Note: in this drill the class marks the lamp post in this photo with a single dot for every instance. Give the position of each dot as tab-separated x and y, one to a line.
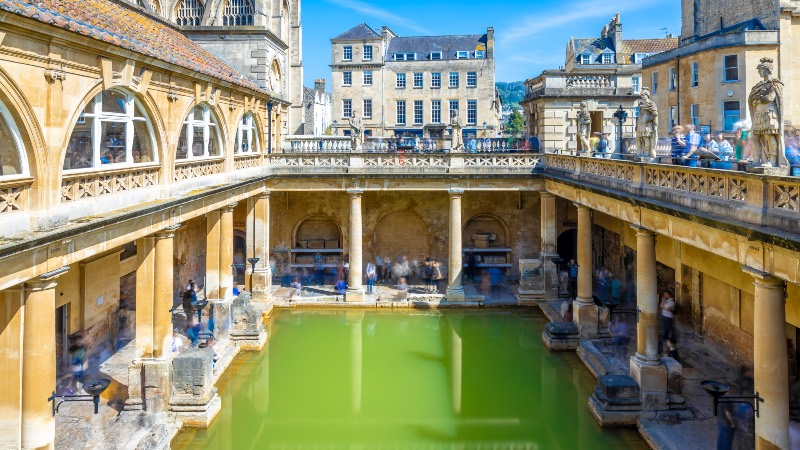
718	390
253	261
621	117
93	390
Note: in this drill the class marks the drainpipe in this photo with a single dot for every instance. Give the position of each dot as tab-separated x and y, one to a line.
269	127
678	88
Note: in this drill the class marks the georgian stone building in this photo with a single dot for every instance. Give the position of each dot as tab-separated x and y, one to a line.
318	109
603	71
707	79
413	85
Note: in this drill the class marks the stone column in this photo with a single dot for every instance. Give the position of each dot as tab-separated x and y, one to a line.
548	251
455	291
39	361
258	246
11	329
355	288
584	309
211	286
770	363
145	280
646	367
226	252
163	293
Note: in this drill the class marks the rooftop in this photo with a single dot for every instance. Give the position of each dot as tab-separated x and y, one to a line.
360	31
118	25
448	45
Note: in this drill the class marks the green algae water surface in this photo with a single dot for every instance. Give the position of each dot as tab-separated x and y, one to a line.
406	380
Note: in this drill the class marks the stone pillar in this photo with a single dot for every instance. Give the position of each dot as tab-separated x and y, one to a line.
226	252
11	329
258	246
211	286
355	288
163	293
770	363
584	309
145	280
39	361
646	368
455	291
548	250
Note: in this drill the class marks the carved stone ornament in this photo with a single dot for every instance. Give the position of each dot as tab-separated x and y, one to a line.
172	96
53	75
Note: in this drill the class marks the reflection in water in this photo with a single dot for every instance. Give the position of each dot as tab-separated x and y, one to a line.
437	378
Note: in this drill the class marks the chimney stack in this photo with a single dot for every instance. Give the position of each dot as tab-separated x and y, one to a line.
319	84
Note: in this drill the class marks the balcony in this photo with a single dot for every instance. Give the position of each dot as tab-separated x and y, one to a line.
577	84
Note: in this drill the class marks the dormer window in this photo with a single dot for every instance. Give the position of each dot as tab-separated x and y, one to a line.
436	56
479	54
411	56
462	55
585	59
608	58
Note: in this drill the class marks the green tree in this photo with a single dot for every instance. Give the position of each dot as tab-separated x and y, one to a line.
515	122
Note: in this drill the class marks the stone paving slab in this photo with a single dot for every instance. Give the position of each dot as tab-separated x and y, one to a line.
692	434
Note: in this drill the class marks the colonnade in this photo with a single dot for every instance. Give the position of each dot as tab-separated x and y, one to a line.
770	365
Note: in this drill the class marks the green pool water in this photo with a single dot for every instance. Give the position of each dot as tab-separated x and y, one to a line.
405	380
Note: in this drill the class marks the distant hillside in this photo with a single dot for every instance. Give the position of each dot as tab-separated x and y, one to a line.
511	93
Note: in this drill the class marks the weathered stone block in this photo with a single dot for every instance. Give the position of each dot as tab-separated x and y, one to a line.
247	328
221	314
585	315
619	387
674	375
192	372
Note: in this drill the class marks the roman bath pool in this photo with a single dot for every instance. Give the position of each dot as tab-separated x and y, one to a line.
412	379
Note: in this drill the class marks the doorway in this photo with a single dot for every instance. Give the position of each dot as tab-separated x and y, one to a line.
62	340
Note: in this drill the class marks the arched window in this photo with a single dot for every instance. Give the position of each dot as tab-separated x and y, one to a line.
12	151
285	21
199	134
246	136
111	130
275	78
237	12
189	13
151	5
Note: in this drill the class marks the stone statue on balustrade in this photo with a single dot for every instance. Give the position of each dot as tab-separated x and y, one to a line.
456	136
647	125
584	128
766	111
356	132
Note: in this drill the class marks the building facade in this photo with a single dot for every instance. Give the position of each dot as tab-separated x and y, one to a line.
318	109
413	85
604	72
707	79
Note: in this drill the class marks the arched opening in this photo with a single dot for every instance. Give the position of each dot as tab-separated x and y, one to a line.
275	77
189	13
567	245
152	6
316	236
402	233
485	239
199	135
237	12
239	256
12	150
112	130
285	21
246	136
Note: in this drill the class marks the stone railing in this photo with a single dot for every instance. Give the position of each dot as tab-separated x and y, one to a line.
185	170
752	198
418	163
14	195
78	186
246	161
315	144
589	81
575	84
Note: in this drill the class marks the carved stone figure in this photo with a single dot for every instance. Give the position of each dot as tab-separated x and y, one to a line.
766	111
647	125
356	132
456	137
584	127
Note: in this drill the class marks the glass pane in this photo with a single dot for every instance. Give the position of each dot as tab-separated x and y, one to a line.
182	145
113	102
197	141
245	141
9	153
142	144
196	114
80	148
213	142
112	142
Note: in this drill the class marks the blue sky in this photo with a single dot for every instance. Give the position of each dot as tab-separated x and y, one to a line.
530	35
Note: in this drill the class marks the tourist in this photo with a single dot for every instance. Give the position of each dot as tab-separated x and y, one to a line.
193	330
620	336
105	157
177	342
572	268
741	151
726	426
319	269
370	275
668	321
379	267
436	275
77	361
566	311
296	284
340	287
346	268
387	263
189	299
471	265
616	290
593	140
495	279
603	148
427	274
678	142
692	143
721	147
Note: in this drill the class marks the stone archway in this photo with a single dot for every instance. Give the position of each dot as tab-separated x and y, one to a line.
485	224
401	233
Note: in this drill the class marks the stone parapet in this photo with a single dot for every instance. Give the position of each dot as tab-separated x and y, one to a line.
561	336
194	397
247	326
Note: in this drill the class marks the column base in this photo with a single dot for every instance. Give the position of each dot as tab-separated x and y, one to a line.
355	295
455	294
194	400
651	377
615	401
222	316
262	285
149	386
561	336
585	314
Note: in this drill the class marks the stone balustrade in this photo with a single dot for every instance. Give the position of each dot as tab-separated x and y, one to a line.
14	195
314	144
554	83
186	170
247	161
83	185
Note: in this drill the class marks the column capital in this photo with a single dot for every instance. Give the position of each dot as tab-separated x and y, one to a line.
545	194
229	208
166	233
264	194
45	281
642	231
455	192
581	206
355	191
764	279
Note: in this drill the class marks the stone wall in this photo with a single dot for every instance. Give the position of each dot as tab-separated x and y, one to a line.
706	16
190	254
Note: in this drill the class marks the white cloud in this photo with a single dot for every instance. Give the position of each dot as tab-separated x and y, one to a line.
378	13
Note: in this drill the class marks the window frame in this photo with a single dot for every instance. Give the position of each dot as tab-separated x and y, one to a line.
450	110
366	110
347	78
419	112
695	68
671	78
725	69
345	103
474	76
453	76
251	129
400	81
584	59
637	84
461	54
472	112
694	114
480	54
654	82
725	115
364	80
436	80
610	57
206	122
400	112
345	50
419	76
364	50
436	56
436	111
19	145
673	117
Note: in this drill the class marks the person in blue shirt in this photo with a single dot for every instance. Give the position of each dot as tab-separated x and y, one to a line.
678	142
692	142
